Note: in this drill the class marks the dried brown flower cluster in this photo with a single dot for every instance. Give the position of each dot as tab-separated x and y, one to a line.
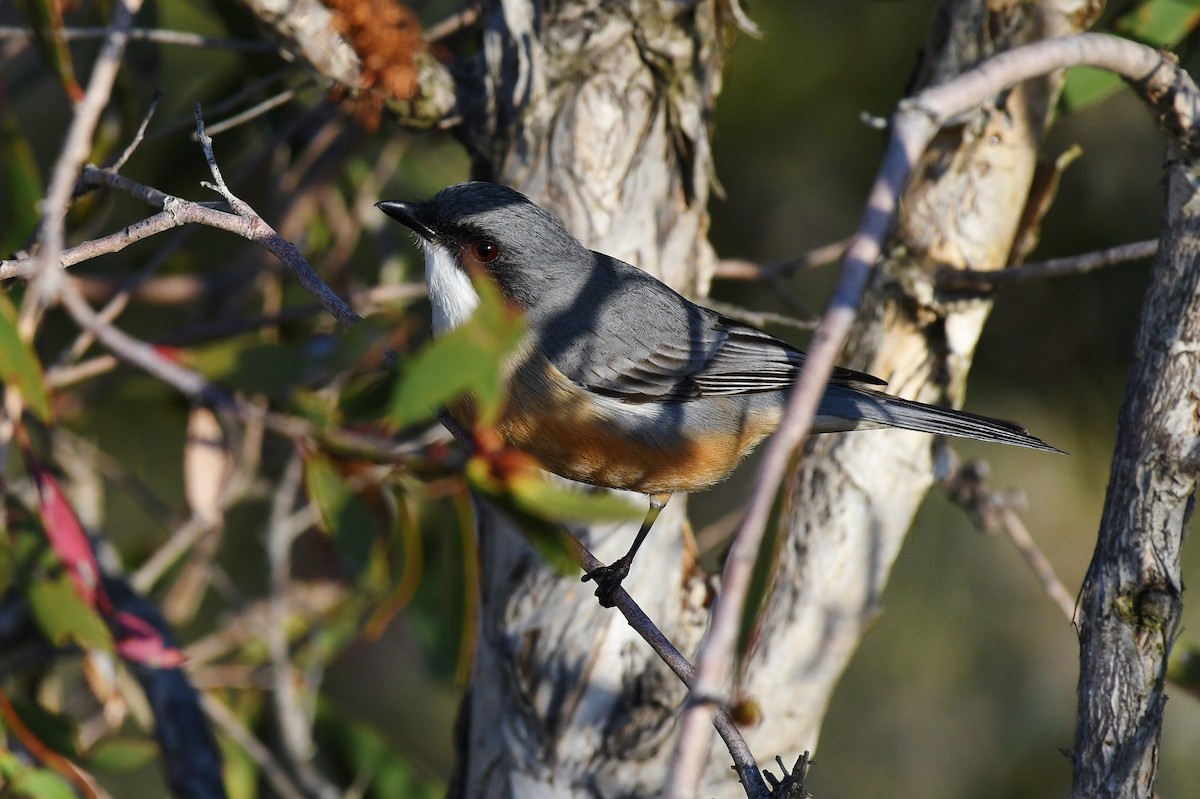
386	35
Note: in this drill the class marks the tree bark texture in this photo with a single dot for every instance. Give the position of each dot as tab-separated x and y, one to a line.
1131	605
600	111
853	497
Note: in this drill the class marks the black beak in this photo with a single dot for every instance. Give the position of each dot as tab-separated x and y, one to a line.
408	214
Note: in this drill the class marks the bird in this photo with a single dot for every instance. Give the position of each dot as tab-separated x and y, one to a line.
621	381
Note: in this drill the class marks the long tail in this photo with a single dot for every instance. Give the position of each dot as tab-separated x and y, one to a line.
875	408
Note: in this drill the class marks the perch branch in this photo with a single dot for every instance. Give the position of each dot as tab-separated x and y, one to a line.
982	279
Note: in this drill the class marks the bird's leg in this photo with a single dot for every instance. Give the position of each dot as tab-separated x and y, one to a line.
608	578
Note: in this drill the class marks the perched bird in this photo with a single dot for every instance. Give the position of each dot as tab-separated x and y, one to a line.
622	382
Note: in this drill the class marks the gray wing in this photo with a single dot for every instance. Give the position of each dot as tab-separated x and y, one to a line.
644	342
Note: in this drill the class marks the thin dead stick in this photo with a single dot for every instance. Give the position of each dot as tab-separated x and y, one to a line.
1018	533
142	355
177	212
117	304
993	511
455	23
177	38
75	149
127	153
229	103
741	269
759	318
294	724
255	111
913	127
179	542
979	280
281	247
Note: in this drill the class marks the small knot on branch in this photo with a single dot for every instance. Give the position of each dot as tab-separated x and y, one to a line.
791	784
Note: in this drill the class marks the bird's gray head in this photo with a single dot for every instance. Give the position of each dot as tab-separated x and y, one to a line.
484	226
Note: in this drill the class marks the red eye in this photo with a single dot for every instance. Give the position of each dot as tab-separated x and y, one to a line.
485	251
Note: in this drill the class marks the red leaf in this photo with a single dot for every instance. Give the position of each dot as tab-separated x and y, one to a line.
66	535
139	641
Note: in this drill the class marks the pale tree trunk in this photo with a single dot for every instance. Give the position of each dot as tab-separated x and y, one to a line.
853	497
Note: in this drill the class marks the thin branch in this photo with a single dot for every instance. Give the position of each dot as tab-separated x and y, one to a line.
278	245
294	724
139	135
741	269
995	511
178	543
177	212
983	280
253	112
232	101
760	318
915	123
177	38
455	23
76	146
142	355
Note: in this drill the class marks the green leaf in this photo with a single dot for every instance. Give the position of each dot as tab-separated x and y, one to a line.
44	18
537	505
239	770
1086	86
20	182
1160	23
19	366
42	784
121	755
57	608
63	617
341	513
535	494
470	359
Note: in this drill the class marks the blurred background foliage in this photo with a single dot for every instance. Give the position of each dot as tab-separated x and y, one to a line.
966	685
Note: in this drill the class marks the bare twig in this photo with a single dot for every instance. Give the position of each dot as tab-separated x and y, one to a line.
126	347
76	146
760	318
255	111
743	759
993	511
283	248
127	153
455	23
179	542
295	725
913	127
741	269
981	280
177	212
177	38
229	103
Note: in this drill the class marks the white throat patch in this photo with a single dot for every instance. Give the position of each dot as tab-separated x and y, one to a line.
450	290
